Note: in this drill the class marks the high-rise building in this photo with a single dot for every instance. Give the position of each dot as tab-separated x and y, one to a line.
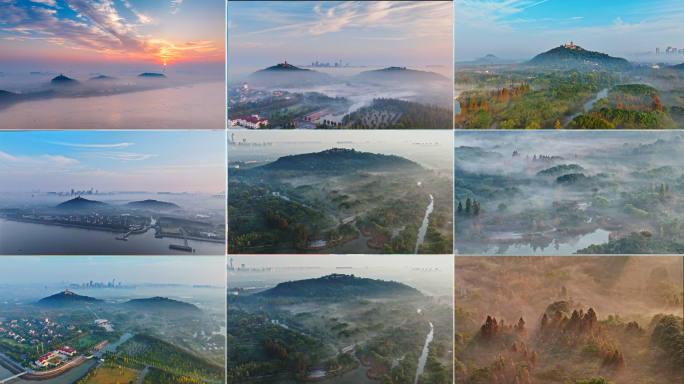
72	191
657	51
340	62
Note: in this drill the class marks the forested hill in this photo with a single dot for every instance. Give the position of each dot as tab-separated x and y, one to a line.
568	57
679	66
474	153
289	73
341	160
341	286
399	74
153	205
66	298
162	303
81	203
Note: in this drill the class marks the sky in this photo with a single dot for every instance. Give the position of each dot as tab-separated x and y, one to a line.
153	161
103	35
521	29
382	33
127	270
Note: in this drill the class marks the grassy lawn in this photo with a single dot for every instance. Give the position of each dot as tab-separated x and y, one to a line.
107	375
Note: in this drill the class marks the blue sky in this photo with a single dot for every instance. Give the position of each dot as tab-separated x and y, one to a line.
173	161
127	270
99	35
360	33
519	29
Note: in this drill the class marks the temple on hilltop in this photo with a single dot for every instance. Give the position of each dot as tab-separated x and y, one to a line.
286	65
572	46
67	292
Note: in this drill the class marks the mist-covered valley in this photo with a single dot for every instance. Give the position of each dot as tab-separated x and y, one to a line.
390	316
569	192
351	194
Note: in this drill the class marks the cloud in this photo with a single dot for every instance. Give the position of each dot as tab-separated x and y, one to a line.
123	156
403	19
175	6
97	27
230	24
49	3
11	161
618	21
118	145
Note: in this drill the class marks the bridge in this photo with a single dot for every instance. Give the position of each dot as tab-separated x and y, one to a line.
10	379
185	247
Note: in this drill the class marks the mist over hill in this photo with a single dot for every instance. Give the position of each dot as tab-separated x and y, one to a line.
151	204
162	303
569	57
81	203
66	298
398	74
286	73
341	286
337	159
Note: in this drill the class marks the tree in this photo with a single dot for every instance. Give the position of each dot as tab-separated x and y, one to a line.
656	103
502	208
558	124
460	208
468	207
483	104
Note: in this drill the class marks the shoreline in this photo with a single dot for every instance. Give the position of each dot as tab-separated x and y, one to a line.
104	229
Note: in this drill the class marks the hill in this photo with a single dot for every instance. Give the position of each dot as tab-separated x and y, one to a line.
399	74
287	73
153	205
81	203
635	89
340	160
341	286
560	170
147	74
491	59
8	96
678	66
572	57
66	298
162	303
102	78
63	80
474	153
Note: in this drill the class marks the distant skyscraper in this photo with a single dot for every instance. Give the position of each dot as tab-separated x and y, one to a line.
657	50
72	191
340	62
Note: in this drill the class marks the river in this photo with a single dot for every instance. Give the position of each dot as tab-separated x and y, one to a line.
4	373
111	347
599	236
588	105
19	238
67	378
423	228
423	357
200	106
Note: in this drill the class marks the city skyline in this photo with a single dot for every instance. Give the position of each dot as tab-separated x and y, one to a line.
108	35
521	29
113	161
359	33
132	270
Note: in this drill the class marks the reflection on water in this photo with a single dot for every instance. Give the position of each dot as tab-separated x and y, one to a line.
358	246
588	105
18	238
423	356
199	107
423	228
599	236
111	347
4	373
67	378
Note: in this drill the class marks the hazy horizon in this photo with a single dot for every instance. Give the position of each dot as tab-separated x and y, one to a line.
127	270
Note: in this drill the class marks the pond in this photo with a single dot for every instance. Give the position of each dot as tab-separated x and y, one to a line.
111	347
555	247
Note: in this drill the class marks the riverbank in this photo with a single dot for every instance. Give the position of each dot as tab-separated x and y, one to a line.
377	239
338	242
336	373
377	370
73	225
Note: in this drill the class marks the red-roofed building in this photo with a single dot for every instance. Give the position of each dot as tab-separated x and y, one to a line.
252	121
